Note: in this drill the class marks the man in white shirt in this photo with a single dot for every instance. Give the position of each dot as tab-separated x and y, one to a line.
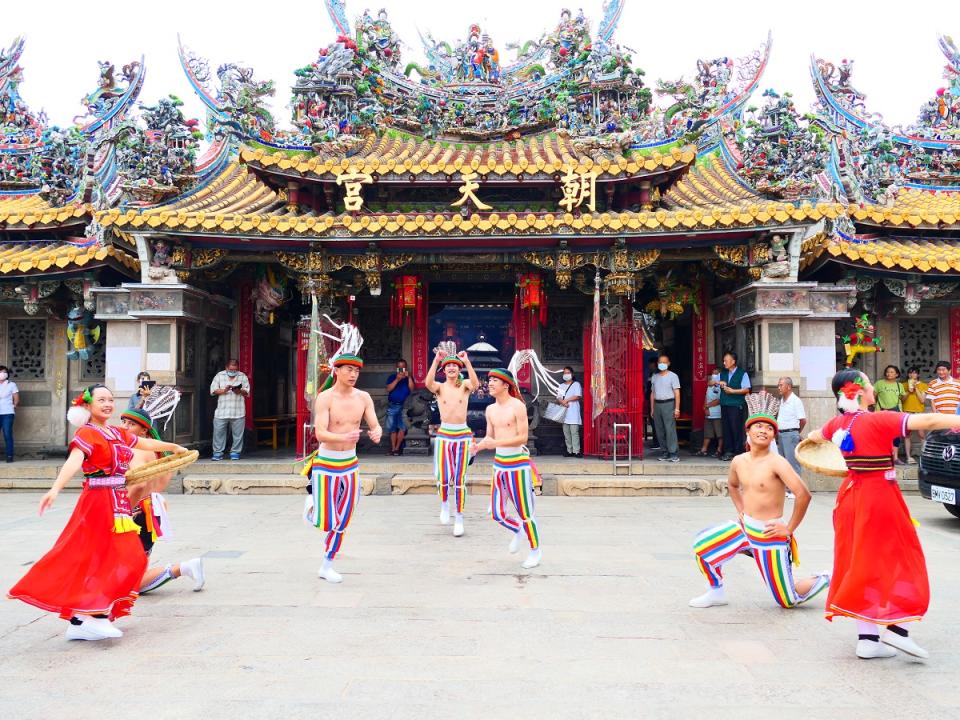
231	387
791	419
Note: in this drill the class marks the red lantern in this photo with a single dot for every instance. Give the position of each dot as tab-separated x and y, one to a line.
406	299
531	296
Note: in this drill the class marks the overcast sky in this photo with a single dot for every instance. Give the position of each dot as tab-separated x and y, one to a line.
897	61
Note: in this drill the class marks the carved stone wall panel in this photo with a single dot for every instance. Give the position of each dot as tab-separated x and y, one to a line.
919	345
562	337
381	343
94	368
27	353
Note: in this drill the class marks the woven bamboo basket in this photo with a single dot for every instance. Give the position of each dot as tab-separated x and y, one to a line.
824	458
161	466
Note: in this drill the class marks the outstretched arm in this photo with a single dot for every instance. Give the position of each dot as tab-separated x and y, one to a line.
373	423
159	445
933	421
430	381
473	382
70	468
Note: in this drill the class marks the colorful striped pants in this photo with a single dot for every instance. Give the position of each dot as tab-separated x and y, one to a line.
716	546
451	456
513	476
335	491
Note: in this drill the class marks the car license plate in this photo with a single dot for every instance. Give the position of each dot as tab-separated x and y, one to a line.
942	494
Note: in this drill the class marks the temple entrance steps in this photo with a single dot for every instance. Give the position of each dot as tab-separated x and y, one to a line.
385	475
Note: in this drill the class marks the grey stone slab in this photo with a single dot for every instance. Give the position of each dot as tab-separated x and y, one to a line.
426	624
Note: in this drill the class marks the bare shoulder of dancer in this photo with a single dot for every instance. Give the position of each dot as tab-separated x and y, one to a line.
340	413
762	484
509	421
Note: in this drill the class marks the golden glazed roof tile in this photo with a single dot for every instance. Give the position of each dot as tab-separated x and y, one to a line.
710	183
406	155
897	254
28	258
273	224
913	208
27	211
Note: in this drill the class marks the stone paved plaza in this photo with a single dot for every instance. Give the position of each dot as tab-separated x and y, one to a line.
426	625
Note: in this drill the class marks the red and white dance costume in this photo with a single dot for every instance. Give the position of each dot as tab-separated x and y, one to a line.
334	493
879	572
97	563
451	456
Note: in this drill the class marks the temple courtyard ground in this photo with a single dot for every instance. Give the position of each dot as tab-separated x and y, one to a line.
427	625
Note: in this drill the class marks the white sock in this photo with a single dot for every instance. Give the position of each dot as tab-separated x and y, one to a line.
515	543
867	628
444	513
533	559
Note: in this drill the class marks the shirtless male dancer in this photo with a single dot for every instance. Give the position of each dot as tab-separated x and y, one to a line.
335	471
513	473
143	498
451	451
758	483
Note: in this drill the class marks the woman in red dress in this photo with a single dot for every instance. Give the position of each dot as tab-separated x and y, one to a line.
91	575
879	572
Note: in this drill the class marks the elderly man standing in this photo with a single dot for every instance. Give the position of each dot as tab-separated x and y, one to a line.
232	388
791	419
665	408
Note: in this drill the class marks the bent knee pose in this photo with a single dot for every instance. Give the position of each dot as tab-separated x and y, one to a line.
758	483
451	451
334	471
149	510
513	472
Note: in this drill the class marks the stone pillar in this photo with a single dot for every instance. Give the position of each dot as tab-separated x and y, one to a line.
795	330
158	328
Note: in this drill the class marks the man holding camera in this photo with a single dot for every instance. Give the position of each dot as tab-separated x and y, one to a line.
399	387
232	388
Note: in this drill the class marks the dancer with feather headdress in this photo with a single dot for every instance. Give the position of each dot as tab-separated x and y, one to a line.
334	469
451	450
758	482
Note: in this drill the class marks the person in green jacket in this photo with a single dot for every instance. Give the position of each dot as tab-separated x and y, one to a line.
889	393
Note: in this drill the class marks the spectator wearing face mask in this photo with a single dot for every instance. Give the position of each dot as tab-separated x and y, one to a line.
712	422
9	399
232	388
665	408
569	395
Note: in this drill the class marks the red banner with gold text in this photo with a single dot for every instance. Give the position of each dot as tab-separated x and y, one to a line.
245	344
955	340
699	384
421	336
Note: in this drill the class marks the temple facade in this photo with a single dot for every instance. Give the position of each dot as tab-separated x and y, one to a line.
502	205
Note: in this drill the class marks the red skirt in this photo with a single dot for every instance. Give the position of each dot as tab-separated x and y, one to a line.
92	569
879	573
